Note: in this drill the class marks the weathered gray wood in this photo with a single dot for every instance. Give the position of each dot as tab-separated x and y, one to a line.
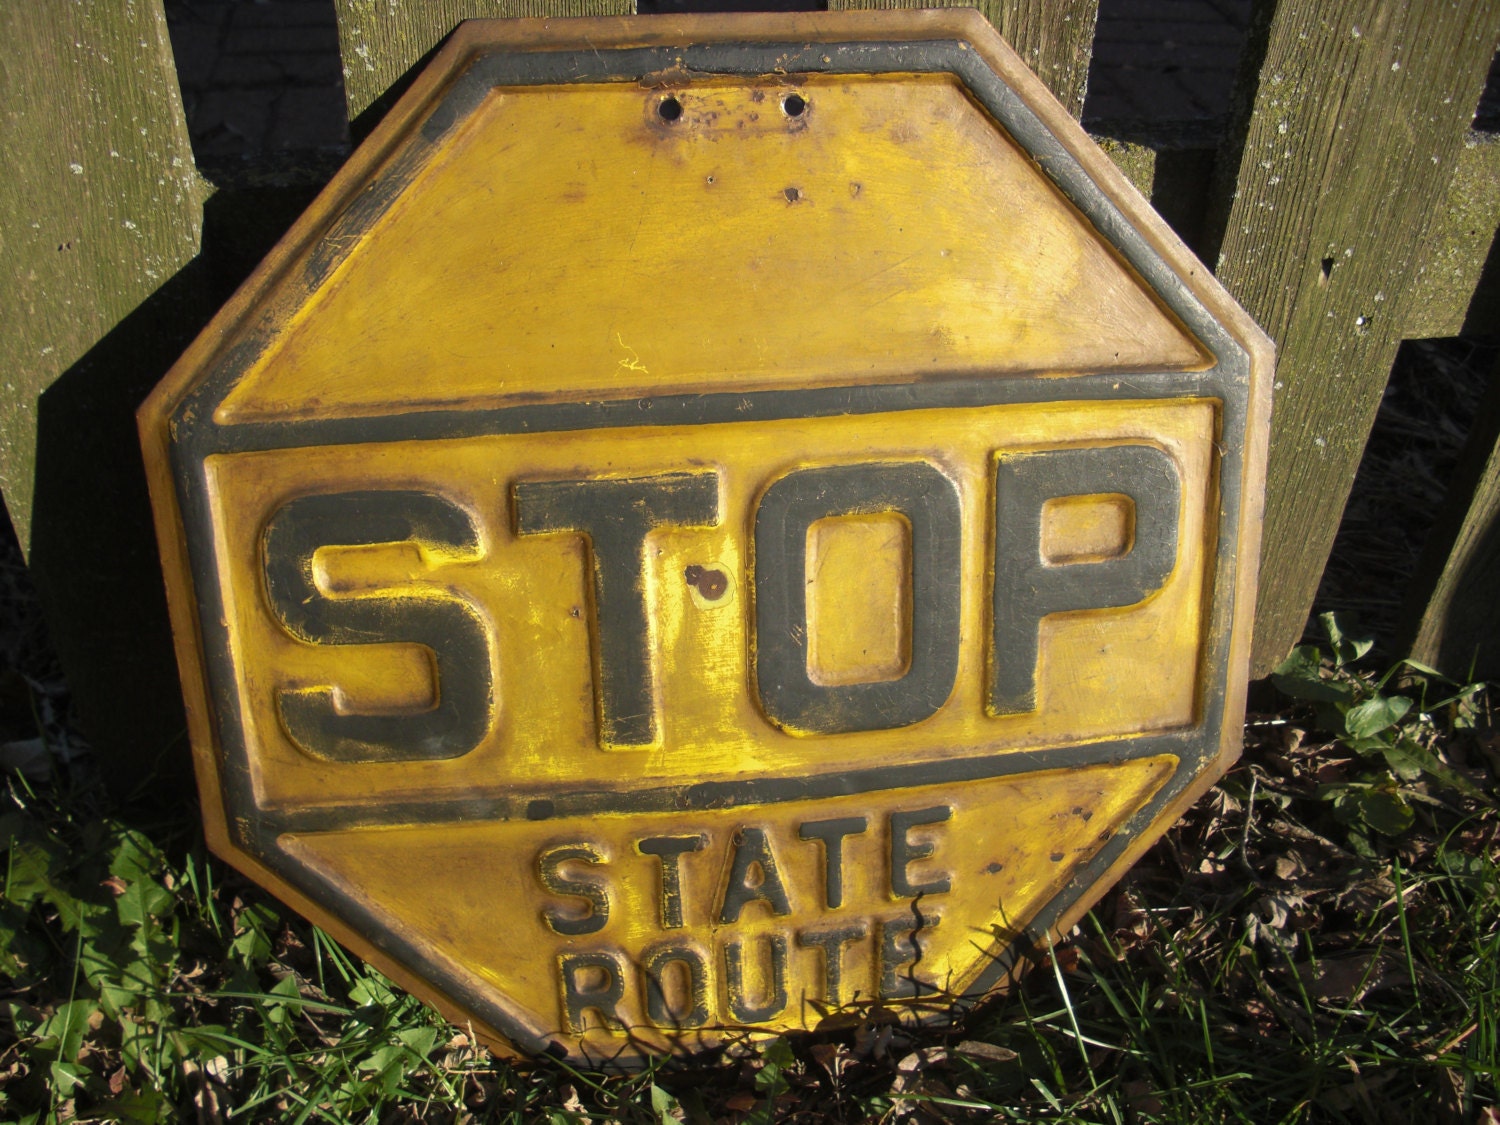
380	40
1359	114
1055	37
99	203
1459	242
100	224
1452	615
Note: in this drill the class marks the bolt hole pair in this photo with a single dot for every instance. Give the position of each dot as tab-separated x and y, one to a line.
669	109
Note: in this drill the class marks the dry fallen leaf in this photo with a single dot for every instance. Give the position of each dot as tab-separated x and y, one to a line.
568	1098
830	1056
990	1052
1141	1098
1343	980
207	1085
920	1060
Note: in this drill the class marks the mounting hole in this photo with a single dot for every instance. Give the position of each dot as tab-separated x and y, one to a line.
669	109
793	105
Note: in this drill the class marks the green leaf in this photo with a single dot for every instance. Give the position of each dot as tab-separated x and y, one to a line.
155	1009
115	999
133	856
1360	845
1404	764
419	1039
206	1040
1300	677
134	1040
1367	719
252	943
1344	800
67	1077
1424	669
372	992
62	1032
131	1108
774	1060
1386	811
1346	649
1462	865
23	949
282	1002
665	1107
1413	756
23	1019
28	880
388	1066
105	954
143	899
1302	661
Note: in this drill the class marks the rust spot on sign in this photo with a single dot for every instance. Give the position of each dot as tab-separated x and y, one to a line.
708	582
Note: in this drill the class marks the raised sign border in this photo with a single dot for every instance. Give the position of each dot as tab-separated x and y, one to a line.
485	54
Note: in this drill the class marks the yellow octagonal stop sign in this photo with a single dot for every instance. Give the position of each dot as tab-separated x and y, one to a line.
711	525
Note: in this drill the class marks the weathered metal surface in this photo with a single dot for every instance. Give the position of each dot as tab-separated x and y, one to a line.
710	523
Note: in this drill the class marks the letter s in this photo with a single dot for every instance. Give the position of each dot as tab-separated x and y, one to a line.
450	628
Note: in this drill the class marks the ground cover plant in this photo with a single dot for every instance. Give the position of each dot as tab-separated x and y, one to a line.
1318	940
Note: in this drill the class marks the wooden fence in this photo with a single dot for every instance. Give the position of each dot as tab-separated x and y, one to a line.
1348	207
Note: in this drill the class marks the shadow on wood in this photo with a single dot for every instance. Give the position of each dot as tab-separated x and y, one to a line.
1452	619
93	548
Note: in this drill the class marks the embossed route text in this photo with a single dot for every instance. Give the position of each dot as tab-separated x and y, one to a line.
707	959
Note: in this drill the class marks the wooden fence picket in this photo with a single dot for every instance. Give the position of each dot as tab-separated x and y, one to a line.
1452	615
99	205
1459	247
382	40
100	227
1359	115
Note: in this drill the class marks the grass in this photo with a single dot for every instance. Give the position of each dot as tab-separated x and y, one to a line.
1277	957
